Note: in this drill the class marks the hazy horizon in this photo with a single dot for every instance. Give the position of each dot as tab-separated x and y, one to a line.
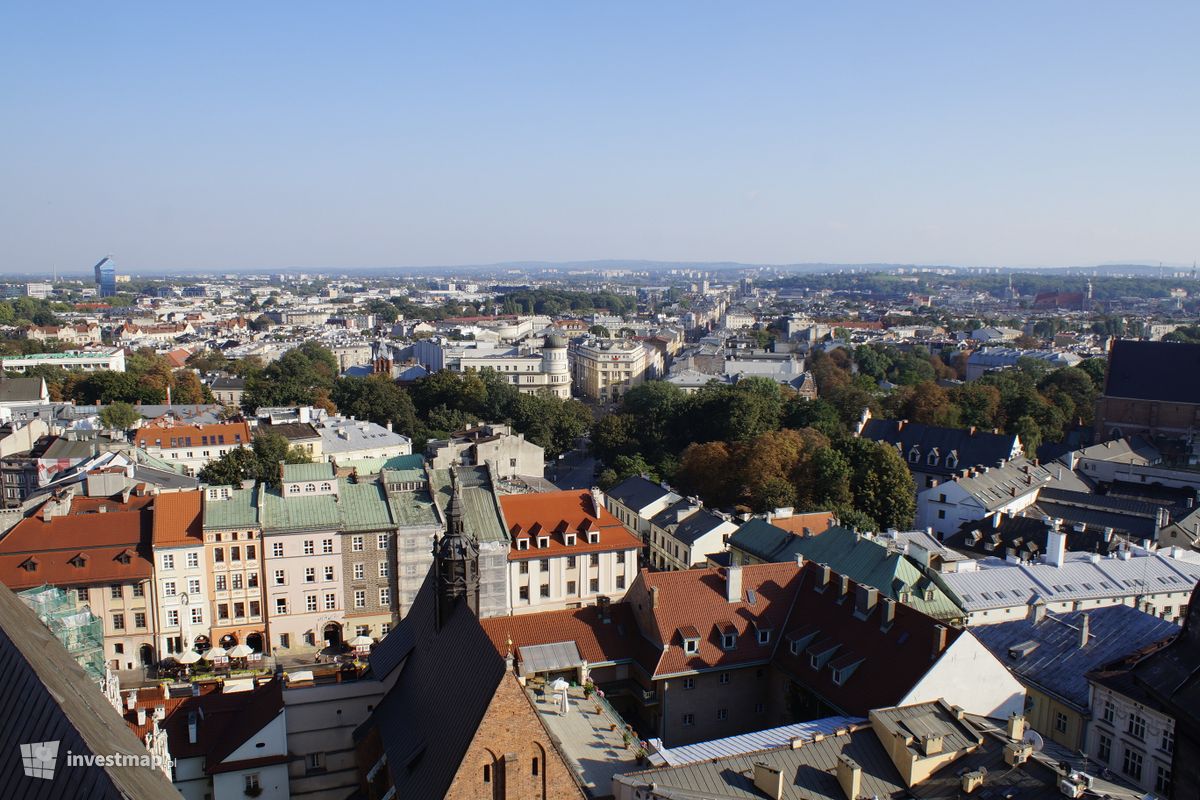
300	136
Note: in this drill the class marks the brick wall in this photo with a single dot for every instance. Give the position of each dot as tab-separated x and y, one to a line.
507	742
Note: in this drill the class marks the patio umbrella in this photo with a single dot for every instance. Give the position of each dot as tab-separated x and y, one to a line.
216	652
190	657
559	685
361	641
240	651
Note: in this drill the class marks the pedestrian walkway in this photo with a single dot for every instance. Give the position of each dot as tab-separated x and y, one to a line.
592	742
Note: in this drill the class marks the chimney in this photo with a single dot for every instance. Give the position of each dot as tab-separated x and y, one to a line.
141	717
733	584
1084	630
1016	727
823	578
191	727
1056	546
800	560
653	597
932	744
160	713
1038	612
843	586
131	700
849	776
769	781
865	598
597	501
888	615
939	640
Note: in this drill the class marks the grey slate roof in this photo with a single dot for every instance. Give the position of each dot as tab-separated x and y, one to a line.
971	449
20	390
1140	370
636	492
762	540
1058	664
46	696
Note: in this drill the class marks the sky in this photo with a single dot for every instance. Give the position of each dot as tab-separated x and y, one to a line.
308	135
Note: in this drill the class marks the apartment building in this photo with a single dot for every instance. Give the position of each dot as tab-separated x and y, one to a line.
684	534
99	549
235	553
417	523
102	358
531	372
302	536
604	369
84	333
369	562
191	446
182	574
567	550
508	454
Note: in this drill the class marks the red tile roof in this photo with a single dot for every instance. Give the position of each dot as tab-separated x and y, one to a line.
177	519
598	642
555	514
697	598
115	545
812	522
156	436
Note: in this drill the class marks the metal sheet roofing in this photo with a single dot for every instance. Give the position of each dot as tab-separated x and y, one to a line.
549	657
750	742
482	511
240	510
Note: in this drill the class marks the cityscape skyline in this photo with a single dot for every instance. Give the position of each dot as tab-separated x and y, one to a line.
677	133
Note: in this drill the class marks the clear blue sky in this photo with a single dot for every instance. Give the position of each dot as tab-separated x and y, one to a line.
354	134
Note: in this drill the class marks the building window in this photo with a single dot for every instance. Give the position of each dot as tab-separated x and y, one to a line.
279	577
594	559
1137	727
534	766
139	619
168	561
310	602
689	720
724	679
1060	722
385	628
219	554
571	585
327	546
251	783
523	593
138	590
315	761
310	574
235	553
360	598
172	617
254	608
277	549
115	591
759	708
197	616
219	582
281	606
359	572
169	588
1162	781
523	568
570	561
118	622
329	573
620	581
194	585
1110	711
239	610
381	541
689	683
487	773
722	714
545	590
193	560
356	544
594	585
764	637
222	611
383	569
728	640
285	640
309	549
330	601
544	565
1168	741
385	596
1104	749
1131	765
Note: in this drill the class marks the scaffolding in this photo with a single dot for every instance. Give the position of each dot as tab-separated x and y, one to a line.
79	630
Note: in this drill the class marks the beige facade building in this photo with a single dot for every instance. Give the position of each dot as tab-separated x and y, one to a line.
604	369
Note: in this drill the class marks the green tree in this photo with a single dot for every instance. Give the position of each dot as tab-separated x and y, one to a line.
119	416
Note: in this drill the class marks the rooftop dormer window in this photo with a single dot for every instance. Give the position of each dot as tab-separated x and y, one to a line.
914	455
691	639
543	541
522	544
764	636
79	560
691	645
30	564
728	640
952	460
593	537
569	539
932	458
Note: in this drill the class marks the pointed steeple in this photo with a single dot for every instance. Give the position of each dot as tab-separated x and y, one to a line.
456	559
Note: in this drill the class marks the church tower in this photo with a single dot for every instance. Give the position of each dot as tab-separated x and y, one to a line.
456	560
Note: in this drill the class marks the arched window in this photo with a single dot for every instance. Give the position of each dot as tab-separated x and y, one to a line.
487	773
311	487
294	489
535	766
325	487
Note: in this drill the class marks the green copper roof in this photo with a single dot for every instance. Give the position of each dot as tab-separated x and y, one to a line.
239	511
413	510
300	513
482	512
320	471
364	506
865	560
374	466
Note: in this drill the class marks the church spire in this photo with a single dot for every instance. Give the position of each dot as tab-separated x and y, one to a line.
456	559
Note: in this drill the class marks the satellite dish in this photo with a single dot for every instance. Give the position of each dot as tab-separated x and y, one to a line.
1034	739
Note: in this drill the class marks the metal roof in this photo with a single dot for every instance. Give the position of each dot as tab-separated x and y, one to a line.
549	657
240	510
749	742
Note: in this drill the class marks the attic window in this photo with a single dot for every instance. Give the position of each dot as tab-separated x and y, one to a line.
569	539
30	564
325	487
952	460
691	645
593	537
123	557
914	455
729	640
79	560
522	544
764	636
543	541
932	458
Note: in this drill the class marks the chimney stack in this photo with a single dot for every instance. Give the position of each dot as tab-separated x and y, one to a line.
131	700
1084	630
653	597
769	781
141	717
888	615
865	598
849	776
939	640
1056	546
843	586
191	719
1016	727
733	584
